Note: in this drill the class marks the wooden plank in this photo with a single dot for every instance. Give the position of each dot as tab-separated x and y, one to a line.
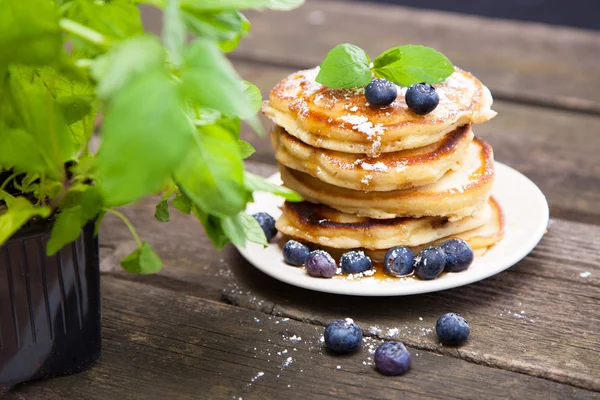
526	61
555	338
557	149
158	344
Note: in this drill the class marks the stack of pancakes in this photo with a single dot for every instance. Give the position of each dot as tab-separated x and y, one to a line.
378	177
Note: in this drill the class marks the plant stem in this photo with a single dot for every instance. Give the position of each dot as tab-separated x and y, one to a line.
85	33
10	178
128	223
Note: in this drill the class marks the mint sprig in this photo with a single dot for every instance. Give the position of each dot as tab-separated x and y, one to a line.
347	66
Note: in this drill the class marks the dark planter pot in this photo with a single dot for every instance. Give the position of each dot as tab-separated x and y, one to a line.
49	307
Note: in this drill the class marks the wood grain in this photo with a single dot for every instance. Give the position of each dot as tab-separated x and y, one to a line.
557	149
519	61
159	344
555	337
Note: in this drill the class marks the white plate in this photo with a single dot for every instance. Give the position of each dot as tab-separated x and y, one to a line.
525	209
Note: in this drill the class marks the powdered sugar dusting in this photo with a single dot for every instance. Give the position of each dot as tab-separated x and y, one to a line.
378	166
585	275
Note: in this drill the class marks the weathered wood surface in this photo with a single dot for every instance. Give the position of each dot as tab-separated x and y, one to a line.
559	150
159	344
517	60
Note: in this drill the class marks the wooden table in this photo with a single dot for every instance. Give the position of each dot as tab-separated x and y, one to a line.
210	326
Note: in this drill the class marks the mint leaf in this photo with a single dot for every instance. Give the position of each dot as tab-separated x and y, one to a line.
162	211
410	64
19	149
174	34
145	132
242	4
226	27
65	229
142	261
129	59
257	183
212	173
208	72
91	203
183	203
212	228
254	97
75	108
29	32
346	66
246	149
19	212
243	227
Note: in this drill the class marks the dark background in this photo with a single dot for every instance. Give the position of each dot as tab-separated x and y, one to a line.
575	13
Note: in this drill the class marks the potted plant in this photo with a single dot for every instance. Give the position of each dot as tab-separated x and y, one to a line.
172	110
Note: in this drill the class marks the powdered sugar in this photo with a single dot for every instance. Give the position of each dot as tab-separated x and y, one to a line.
378	166
585	275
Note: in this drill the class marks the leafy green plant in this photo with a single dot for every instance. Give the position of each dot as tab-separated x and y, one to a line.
172	111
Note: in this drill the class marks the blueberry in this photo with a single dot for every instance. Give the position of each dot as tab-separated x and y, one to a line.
295	253
381	92
430	263
422	98
267	223
452	329
343	336
354	262
392	358
399	261
320	263
459	255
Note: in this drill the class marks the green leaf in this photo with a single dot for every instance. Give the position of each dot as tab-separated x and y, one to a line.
19	212
410	64
174	32
207	72
183	203
212	227
98	222
145	135
91	203
19	149
243	227
212	174
242	4
254	97
346	66
142	261
29	32
162	211
130	59
257	183
226	27
65	229
75	108
246	149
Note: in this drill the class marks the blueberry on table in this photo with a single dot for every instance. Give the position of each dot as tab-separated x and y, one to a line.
343	336
392	358
267	223
354	262
459	255
319	263
430	263
295	253
422	98
381	92
399	261
452	329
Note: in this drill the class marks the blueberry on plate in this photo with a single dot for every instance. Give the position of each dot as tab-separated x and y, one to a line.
422	98
295	253
381	92
399	261
452	329
392	358
320	263
343	336
354	262
459	255
430	263
267	223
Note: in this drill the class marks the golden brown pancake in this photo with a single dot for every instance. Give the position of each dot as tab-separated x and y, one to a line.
342	119
390	171
459	193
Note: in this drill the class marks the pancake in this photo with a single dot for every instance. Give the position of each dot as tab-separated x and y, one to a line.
459	193
342	119
390	171
323	227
